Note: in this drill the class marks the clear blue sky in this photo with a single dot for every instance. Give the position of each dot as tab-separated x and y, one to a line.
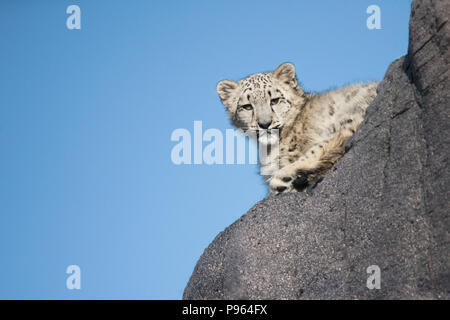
86	116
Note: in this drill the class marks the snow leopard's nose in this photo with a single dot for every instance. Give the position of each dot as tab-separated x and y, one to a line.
265	124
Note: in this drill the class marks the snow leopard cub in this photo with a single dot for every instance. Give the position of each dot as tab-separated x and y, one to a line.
313	128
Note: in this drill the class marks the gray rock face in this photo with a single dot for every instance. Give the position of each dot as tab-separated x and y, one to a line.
385	203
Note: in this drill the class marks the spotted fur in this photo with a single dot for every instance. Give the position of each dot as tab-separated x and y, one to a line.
313	127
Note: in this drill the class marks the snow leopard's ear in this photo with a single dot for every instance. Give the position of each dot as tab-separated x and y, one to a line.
286	74
225	89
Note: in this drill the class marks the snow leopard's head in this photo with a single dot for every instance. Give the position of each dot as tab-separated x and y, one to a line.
261	101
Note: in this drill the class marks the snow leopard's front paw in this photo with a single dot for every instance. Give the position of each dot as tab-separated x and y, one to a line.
288	180
281	181
278	184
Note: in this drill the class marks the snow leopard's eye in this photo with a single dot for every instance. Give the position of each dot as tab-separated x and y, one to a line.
247	107
274	101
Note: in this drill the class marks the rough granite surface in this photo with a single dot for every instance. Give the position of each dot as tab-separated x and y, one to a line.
385	203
